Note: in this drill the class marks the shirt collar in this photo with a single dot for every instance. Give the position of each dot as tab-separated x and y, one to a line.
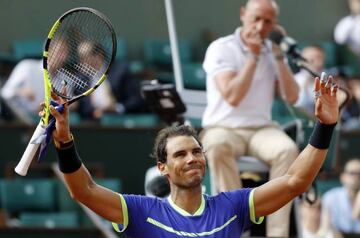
199	211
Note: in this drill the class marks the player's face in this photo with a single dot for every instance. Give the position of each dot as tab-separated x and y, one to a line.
259	16
185	164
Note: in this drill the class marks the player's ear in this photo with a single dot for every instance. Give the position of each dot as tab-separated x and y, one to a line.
162	168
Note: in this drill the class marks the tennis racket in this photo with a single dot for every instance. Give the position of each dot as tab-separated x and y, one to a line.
78	54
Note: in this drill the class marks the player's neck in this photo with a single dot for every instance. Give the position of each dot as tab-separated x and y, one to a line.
187	199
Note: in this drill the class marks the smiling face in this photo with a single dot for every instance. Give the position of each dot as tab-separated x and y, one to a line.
185	164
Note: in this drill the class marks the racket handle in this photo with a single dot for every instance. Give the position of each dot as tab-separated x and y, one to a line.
30	152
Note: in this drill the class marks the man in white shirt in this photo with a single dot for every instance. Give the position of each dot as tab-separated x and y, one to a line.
243	70
347	30
24	90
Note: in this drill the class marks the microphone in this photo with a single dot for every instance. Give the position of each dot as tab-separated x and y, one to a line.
287	45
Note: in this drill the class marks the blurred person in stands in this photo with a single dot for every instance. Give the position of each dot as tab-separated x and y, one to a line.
243	72
91	58
23	91
315	57
313	225
126	90
118	94
347	30
350	116
342	204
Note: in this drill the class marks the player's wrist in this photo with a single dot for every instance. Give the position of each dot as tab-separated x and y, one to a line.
321	135
68	158
65	142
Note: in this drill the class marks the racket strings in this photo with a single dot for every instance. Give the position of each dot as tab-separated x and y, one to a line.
80	53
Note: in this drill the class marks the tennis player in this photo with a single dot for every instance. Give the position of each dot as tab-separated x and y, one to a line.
180	157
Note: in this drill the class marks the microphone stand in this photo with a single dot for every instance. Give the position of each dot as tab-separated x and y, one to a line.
301	64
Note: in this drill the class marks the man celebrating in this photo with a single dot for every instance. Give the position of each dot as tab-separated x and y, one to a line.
180	157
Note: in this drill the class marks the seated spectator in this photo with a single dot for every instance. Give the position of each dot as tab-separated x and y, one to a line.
351	114
316	60
347	30
119	94
24	90
313	225
126	90
315	57
341	204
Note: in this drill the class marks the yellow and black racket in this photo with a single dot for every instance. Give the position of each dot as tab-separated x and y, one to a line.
78	54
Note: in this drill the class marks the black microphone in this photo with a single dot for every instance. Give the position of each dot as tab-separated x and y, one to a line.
287	45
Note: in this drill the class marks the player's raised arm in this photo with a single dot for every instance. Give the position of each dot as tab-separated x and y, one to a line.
271	196
80	184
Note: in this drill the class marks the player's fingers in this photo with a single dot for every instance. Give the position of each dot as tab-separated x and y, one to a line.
323	80
54	96
317	87
54	112
334	88
328	84
66	109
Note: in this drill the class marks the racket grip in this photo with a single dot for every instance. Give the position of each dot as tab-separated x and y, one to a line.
30	152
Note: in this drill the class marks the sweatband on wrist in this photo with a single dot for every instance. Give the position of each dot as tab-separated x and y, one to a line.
321	135
69	160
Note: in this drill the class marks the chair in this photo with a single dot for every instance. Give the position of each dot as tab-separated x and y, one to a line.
121	51
129	120
349	60
323	186
28	48
49	220
28	195
157	53
113	184
194	76
331	52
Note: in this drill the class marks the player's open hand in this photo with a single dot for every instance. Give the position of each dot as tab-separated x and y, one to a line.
326	104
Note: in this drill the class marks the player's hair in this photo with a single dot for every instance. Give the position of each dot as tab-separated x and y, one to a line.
159	151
